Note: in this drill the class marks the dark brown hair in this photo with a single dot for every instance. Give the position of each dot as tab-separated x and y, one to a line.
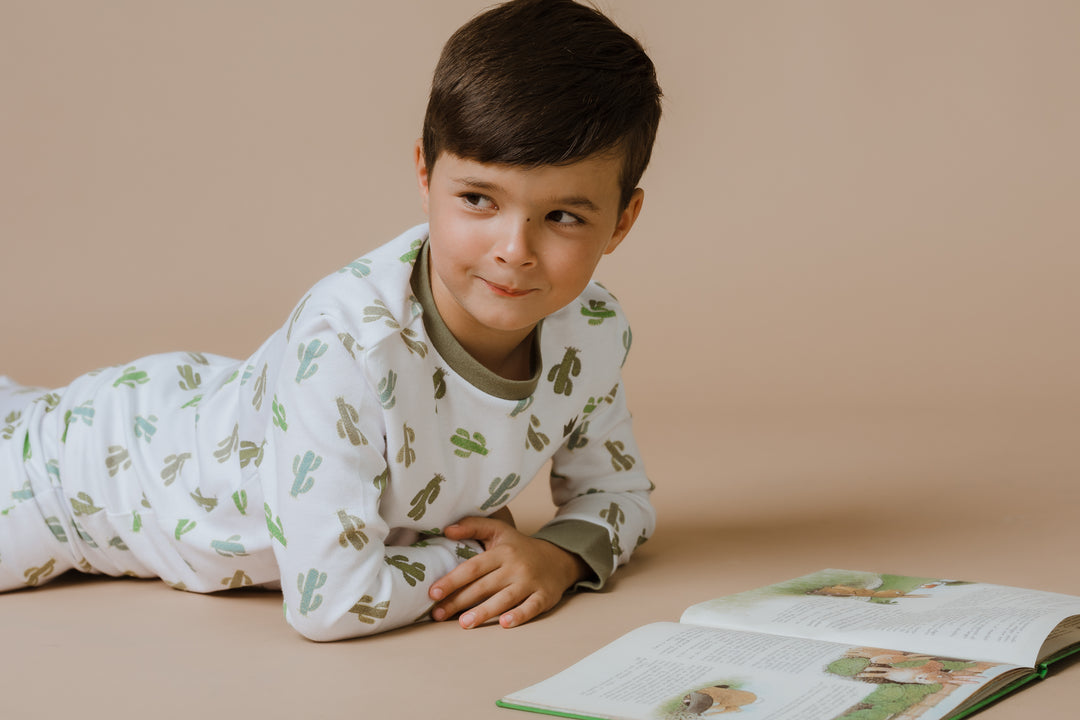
543	82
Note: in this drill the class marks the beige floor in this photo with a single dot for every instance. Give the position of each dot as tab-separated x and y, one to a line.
987	497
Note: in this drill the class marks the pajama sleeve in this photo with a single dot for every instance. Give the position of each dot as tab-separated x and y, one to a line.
339	577
600	488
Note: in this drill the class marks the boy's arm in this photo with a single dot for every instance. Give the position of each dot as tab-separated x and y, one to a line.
604	513
338	576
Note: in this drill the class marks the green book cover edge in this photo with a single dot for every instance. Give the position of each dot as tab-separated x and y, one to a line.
544	711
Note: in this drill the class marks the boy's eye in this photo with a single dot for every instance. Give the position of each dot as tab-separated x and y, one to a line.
477	200
561	217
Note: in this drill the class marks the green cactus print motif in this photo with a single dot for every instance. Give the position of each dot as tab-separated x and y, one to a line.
578	437
438	378
619	460
259	390
136	522
183	527
406	454
346	426
561	374
466	446
379	311
349	343
56	528
250	453
228	446
279	415
132	377
465	552
418	347
307	585
352	531
35	575
86	538
296	316
381	480
614	516
627	341
84	412
308	354
522	406
274	526
500	490
413	253
230	548
386	390
367	613
53	469
206	503
118	459
173	465
118	543
534	438
302	467
412	572
359	268
189	379
193	402
198	358
425	497
12	420
597	312
239	579
616	548
51	400
145	428
23	494
240	500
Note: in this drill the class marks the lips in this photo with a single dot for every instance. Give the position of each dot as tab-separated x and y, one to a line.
505	290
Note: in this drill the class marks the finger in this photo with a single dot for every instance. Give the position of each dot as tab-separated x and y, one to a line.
474	528
531	607
471	595
502	601
464	574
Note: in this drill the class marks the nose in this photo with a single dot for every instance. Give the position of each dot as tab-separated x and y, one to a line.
515	246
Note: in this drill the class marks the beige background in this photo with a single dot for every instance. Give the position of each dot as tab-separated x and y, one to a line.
853	290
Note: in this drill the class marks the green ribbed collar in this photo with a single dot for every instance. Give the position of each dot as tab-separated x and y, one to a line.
458	357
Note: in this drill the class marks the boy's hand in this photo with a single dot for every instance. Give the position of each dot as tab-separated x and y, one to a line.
516	578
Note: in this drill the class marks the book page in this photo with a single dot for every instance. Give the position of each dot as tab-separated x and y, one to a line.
669	671
940	617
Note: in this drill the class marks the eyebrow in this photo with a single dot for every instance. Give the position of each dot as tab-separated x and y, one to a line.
576	201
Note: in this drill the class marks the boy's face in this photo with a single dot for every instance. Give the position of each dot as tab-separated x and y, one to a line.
511	245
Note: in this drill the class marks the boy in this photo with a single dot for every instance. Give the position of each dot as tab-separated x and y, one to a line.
364	456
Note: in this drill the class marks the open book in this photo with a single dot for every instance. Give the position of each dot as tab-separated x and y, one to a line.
830	645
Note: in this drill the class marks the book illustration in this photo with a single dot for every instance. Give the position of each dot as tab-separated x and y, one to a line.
877	588
908	683
707	700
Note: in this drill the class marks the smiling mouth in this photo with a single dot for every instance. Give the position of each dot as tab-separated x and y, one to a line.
506	291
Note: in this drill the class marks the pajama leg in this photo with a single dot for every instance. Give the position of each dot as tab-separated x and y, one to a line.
32	548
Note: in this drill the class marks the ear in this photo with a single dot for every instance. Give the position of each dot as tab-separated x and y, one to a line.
627	218
422	175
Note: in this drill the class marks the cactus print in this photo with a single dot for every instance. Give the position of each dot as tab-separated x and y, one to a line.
359	431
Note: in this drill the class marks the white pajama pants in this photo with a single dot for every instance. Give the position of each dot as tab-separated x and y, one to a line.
33	550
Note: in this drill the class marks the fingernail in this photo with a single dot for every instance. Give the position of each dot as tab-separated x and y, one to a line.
438	613
507	620
467	620
436	593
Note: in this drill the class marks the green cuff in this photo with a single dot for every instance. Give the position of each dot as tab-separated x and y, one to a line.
589	542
